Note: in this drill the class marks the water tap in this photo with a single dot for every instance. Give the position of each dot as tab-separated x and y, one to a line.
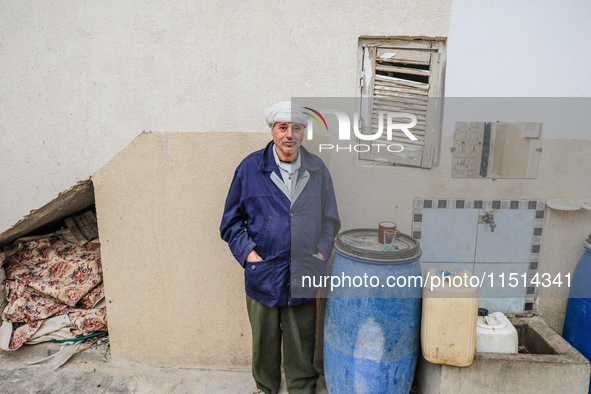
489	217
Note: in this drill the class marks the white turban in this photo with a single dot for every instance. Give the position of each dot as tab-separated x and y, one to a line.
282	112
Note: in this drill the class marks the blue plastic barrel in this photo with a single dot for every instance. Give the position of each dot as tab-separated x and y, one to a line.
577	322
372	325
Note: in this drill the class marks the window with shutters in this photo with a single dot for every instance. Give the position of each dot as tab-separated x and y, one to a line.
404	76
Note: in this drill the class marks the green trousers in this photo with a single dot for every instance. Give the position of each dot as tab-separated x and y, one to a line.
297	326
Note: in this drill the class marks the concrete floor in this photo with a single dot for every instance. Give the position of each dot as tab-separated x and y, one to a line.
88	372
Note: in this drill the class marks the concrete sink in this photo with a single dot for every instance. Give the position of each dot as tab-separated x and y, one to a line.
546	364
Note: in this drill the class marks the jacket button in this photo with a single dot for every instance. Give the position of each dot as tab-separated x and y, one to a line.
253	267
291	215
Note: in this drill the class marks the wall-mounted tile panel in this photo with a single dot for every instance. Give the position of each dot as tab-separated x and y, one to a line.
451	237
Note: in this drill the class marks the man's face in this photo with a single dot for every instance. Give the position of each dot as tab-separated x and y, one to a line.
287	137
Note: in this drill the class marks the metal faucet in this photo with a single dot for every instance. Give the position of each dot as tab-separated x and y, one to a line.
489	217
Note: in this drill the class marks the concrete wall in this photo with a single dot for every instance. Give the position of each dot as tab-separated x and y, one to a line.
81	79
553	366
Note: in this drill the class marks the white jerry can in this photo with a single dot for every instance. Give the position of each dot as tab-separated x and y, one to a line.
495	333
448	324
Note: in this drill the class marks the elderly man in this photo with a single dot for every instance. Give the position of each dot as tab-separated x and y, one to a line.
280	220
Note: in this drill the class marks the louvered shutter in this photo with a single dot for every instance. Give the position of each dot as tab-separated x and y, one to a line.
403	79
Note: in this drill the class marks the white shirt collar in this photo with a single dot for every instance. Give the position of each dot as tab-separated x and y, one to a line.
290	167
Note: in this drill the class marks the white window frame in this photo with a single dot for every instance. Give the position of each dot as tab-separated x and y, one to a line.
421	50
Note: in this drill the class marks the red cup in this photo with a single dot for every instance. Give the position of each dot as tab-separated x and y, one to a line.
383	226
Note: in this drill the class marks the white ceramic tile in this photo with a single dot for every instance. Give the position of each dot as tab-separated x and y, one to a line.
501	282
449	235
531	274
534	257
510	242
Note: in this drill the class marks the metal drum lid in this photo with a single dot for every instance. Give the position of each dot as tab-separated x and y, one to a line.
362	244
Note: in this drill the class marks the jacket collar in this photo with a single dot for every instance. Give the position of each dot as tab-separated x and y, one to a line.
267	162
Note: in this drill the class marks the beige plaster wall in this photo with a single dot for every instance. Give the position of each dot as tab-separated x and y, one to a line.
175	292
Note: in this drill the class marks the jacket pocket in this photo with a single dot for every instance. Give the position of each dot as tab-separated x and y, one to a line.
305	234
318	267
260	277
263	240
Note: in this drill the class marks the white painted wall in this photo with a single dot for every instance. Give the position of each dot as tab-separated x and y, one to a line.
80	79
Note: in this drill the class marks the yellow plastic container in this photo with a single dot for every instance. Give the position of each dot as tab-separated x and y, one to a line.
449	316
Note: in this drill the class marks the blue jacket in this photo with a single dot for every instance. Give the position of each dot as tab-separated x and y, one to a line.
286	231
